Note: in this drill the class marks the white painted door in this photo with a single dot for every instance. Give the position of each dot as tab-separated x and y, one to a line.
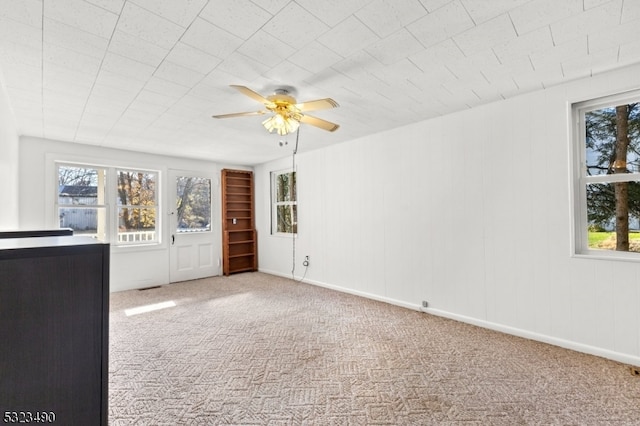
194	240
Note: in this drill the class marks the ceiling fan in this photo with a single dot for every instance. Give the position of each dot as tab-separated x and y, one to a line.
287	112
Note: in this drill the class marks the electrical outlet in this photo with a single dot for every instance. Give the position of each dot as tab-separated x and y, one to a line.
306	261
425	304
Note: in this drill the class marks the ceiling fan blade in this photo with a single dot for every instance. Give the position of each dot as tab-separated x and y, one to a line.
240	114
317	104
250	93
318	122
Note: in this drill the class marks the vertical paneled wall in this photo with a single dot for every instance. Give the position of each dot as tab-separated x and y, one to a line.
8	165
470	212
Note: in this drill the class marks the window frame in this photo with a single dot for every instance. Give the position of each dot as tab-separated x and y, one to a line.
275	203
111	204
580	178
98	206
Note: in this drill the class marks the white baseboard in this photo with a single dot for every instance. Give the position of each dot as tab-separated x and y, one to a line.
371	296
563	343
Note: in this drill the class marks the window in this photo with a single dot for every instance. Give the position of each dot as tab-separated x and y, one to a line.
109	204
193	204
81	200
608	176
137	206
284	213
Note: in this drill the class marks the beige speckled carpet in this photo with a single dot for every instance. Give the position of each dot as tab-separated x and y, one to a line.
255	349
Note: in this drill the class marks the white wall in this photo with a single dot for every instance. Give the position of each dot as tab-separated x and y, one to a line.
8	165
470	212
131	267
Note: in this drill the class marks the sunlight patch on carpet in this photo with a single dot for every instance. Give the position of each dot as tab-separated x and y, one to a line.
149	308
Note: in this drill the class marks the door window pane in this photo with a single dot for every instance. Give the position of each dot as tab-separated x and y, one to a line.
193	204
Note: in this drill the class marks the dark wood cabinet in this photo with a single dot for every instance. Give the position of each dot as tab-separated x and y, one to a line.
239	237
54	316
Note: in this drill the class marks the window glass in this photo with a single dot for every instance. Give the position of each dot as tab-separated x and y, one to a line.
602	219
286	187
285	209
137	209
193	204
81	200
287	219
601	128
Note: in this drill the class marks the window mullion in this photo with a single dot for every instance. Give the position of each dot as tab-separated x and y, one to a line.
626	177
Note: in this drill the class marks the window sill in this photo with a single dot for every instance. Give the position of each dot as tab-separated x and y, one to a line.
284	235
138	247
609	255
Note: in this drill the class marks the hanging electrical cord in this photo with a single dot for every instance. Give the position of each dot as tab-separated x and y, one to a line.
304	274
293	234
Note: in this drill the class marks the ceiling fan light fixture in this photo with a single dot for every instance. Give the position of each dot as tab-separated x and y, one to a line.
281	124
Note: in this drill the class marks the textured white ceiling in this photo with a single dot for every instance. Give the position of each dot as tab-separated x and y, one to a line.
147	75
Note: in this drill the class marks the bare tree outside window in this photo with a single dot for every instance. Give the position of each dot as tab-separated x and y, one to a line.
193	204
285	208
137	206
122	209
